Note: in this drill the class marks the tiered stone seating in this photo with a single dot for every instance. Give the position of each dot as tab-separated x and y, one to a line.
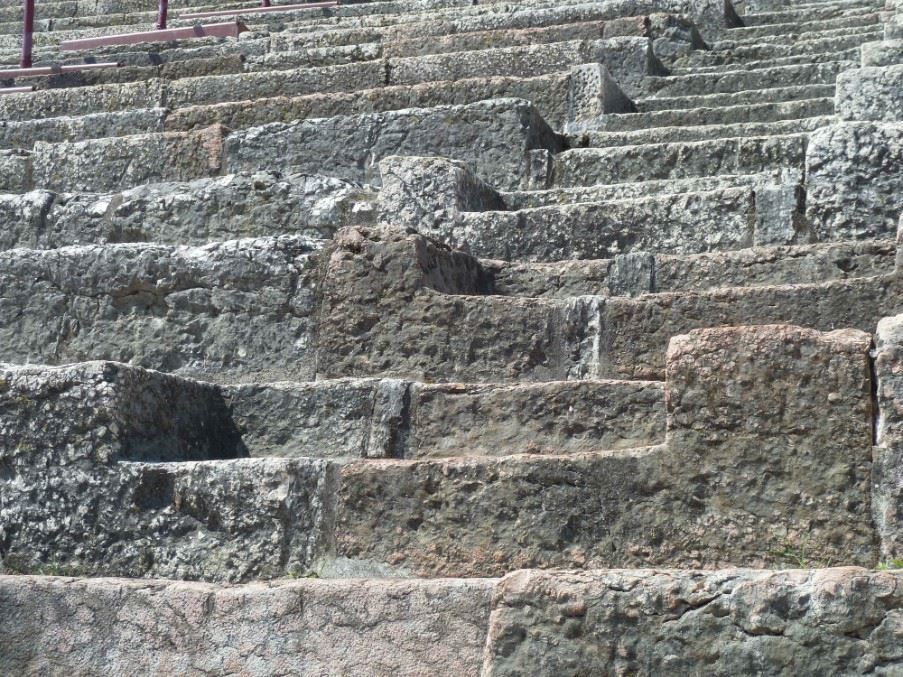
543	338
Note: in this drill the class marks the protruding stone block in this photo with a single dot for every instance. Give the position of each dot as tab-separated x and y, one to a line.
90	483
874	94
429	193
592	92
854	178
104	412
887	484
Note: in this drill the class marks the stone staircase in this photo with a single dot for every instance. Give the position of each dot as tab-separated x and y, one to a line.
425	337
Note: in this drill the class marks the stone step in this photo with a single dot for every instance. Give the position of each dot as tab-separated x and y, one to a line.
821	11
430	517
813	51
244	205
560	195
434	517
762	6
796	27
628	59
263	310
586	166
234	311
550	94
25	134
729	81
720	115
730	65
350	145
750	96
602	139
741	44
379	627
514	339
442	626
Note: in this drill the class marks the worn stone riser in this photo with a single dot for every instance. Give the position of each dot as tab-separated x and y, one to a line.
740	80
811	13
586	166
732	66
717	115
602	139
752	96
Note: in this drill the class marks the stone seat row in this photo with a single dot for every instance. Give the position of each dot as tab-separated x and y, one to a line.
163	460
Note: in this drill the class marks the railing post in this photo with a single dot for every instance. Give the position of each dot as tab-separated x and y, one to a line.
264	3
27	34
161	14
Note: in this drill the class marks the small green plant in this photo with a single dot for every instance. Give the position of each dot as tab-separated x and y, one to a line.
889	565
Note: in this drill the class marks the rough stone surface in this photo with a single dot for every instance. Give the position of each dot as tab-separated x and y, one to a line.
79	495
871	94
854	179
733	622
124	162
233	311
398	304
206	210
739	400
547	418
495	136
887	484
287	628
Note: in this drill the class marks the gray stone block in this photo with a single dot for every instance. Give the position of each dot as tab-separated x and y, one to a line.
854	177
871	94
232	311
353	146
297	627
735	621
196	212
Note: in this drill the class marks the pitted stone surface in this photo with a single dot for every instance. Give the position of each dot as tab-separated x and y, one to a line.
231	311
289	628
735	622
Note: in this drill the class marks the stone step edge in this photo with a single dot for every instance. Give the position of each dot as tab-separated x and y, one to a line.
491	627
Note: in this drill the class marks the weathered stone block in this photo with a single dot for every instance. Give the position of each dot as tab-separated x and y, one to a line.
397	304
289	628
701	499
592	92
887	483
871	94
124	162
233	311
549	418
103	412
89	482
495	136
196	212
734	622
854	177
428	193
